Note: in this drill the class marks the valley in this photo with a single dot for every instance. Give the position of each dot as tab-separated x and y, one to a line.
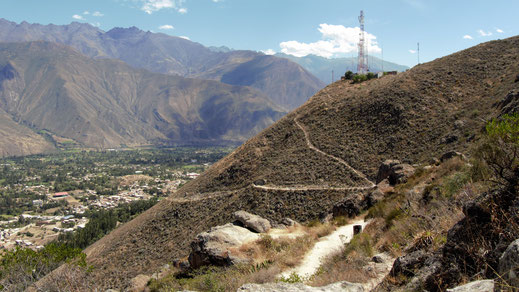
50	197
140	153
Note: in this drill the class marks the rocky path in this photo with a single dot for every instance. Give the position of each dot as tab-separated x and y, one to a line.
324	248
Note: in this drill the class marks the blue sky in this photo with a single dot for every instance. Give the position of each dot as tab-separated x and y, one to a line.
325	27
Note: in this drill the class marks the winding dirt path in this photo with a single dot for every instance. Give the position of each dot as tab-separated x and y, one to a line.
310	145
370	184
323	249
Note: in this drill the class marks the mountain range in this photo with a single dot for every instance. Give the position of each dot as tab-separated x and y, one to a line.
320	155
106	103
286	83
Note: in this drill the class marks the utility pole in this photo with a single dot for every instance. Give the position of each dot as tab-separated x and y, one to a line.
382	58
418	51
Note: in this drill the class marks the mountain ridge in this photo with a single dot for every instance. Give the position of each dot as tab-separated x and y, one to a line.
161	53
106	103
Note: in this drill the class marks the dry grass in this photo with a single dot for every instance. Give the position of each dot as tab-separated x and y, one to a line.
269	257
404	221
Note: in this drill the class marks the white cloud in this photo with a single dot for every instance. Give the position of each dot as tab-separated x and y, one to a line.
86	13
96	24
150	6
412	51
484	33
499	30
268	52
166	26
216	1
336	40
97	14
468	37
184	37
77	17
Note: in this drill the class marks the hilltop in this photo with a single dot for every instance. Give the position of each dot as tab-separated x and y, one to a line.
323	153
322	67
51	88
285	82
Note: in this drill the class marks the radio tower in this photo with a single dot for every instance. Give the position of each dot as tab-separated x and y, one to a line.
362	62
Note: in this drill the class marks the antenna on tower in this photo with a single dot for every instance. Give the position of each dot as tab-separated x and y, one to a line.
362	66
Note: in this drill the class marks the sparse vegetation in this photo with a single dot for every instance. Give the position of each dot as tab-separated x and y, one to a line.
21	267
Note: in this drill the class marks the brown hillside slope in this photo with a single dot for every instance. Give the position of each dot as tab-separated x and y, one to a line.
414	116
106	103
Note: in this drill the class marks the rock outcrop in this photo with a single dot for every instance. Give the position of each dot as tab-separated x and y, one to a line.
395	171
214	247
509	264
451	154
476	286
252	222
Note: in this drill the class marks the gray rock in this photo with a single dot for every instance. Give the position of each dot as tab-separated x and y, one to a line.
458	124
509	264
214	247
350	207
139	283
409	263
253	222
395	171
289	222
276	287
476	286
451	154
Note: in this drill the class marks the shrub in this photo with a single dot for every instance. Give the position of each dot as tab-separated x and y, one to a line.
21	267
500	149
348	75
361	244
394	214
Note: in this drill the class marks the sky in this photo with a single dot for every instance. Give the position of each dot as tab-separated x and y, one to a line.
328	28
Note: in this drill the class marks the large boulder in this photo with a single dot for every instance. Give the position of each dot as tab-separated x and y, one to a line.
253	222
350	207
409	264
476	286
451	154
214	247
298	287
509	264
395	171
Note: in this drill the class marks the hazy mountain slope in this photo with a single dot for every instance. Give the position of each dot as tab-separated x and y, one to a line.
175	56
107	103
404	117
16	139
322	67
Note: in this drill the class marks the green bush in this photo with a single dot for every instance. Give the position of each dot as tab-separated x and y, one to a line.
391	216
454	183
21	267
500	149
360	243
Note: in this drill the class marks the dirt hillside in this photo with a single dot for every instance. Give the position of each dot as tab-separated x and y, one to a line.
326	150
